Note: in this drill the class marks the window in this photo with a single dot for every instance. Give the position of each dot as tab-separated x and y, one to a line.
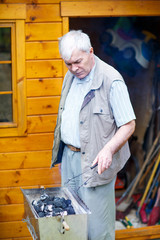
12	71
6	76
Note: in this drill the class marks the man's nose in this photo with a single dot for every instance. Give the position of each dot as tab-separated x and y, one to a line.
74	67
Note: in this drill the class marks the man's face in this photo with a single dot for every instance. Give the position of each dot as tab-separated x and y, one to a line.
80	63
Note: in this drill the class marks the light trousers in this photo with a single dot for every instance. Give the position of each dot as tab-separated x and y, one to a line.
100	200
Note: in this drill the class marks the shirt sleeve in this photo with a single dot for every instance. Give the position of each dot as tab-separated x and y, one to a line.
120	103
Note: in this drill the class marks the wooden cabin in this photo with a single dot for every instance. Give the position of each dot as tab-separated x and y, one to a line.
35	72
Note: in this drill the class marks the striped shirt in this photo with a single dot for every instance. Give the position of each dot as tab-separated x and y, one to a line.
70	116
120	103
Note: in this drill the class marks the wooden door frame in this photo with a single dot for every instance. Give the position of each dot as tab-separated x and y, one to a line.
110	8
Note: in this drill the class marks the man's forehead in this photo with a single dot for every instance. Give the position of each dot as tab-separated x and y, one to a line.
76	55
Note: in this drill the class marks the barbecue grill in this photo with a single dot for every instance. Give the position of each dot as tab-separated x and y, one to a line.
60	227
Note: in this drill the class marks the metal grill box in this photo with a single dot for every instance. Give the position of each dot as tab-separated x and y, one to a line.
68	227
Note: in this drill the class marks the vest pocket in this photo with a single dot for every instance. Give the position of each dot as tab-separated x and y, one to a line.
99	109
102	120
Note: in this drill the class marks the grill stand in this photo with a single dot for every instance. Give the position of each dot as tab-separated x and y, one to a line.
61	227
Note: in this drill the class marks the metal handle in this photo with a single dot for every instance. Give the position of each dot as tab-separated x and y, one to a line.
30	228
95	165
65	225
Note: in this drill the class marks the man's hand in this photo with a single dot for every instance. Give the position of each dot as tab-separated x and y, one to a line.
104	159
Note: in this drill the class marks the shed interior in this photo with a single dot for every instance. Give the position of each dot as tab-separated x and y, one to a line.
132	46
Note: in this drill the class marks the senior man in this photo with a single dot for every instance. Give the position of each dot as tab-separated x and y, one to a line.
94	123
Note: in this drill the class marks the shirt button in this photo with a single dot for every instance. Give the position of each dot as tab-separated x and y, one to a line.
83	152
81	122
101	110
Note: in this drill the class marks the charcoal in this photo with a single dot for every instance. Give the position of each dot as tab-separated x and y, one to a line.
39	203
52	198
44	197
63	199
49	214
54	214
57	210
68	202
48	206
41	214
58	202
70	210
36	208
64	205
45	201
41	208
34	203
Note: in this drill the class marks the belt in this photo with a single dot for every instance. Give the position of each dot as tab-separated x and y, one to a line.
72	148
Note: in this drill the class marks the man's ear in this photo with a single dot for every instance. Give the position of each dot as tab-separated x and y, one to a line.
91	50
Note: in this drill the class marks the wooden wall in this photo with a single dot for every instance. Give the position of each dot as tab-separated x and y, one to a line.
25	161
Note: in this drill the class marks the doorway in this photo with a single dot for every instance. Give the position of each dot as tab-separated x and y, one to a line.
132	46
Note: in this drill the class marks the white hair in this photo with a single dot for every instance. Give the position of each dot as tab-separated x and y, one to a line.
75	39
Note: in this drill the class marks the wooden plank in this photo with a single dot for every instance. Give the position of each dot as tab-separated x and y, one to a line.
22	238
145	233
14	229
22	160
13	195
110	8
42	105
43	31
12	212
35	2
12	11
21	80
42	50
44	87
146	237
44	69
65	30
43	13
25	177
33	142
43	123
65	22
